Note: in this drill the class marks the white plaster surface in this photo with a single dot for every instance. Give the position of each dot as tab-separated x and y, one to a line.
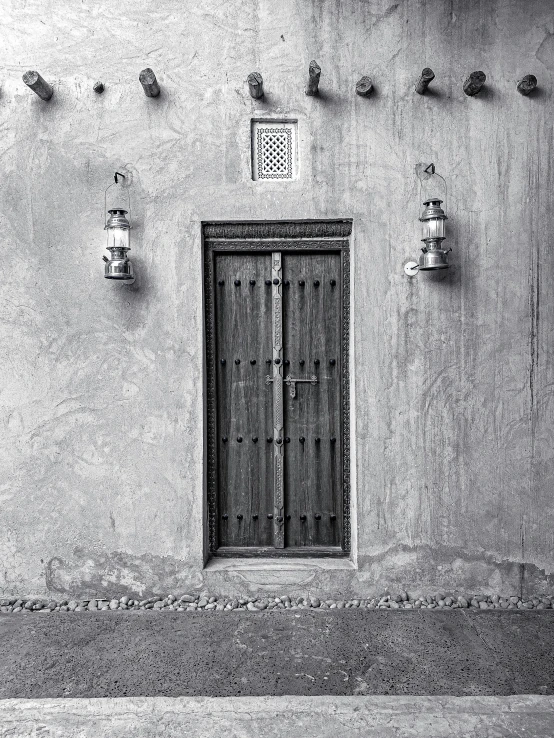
101	396
281	717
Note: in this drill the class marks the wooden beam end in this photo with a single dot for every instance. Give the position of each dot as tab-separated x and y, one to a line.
364	87
427	76
527	84
255	85
474	83
38	85
149	83
314	73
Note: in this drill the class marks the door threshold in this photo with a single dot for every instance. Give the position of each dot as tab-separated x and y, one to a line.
269	552
268	564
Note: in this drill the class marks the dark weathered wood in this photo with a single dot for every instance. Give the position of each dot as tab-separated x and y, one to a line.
245	330
300	552
149	83
235	480
312	331
364	87
98	87
474	83
314	73
256	85
244	400
427	76
527	84
38	85
279	229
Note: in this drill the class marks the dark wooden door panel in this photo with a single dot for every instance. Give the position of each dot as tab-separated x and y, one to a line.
312	328
278	469
244	401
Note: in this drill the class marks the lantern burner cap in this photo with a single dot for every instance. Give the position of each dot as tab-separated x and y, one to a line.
433	210
117	219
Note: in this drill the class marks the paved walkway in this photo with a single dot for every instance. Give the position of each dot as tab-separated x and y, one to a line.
280	717
301	653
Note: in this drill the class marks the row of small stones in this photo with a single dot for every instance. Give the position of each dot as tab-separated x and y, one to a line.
191	602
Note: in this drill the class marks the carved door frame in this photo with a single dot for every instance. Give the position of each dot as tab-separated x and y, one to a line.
271	236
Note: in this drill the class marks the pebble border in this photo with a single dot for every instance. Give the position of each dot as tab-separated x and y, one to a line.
207	603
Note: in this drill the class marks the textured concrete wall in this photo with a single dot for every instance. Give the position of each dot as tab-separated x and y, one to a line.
101	396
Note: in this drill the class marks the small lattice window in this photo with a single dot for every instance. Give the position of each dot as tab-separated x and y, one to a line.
273	149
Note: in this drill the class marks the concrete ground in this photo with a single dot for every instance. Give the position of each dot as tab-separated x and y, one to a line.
300	653
280	717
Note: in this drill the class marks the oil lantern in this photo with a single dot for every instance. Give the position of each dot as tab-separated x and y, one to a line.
118	229
432	219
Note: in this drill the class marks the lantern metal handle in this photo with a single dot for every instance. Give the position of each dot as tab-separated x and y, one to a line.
430	170
116	175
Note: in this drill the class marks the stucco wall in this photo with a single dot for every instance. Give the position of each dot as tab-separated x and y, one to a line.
101	395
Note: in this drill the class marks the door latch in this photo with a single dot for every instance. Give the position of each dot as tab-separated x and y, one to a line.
292	383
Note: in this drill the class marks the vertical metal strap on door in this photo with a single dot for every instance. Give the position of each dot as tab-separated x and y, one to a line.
279	441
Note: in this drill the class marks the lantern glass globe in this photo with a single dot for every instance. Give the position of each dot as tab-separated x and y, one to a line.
118	238
433	228
433	220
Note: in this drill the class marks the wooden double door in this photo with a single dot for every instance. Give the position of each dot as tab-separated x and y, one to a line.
277	380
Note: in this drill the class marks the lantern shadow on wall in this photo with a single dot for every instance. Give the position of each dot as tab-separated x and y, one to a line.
433	218
118	229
